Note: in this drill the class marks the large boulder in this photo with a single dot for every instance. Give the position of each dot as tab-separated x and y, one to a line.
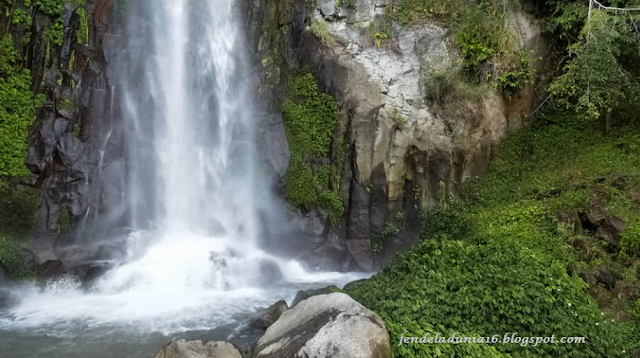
331	325
269	316
197	349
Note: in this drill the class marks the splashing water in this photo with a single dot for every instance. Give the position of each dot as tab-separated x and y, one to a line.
194	261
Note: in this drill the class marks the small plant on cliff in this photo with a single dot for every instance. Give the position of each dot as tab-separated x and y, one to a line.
320	29
379	37
380	239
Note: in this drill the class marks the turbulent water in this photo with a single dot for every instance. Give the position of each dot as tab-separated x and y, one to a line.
194	267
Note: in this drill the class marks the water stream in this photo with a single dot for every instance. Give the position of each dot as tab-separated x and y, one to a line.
194	266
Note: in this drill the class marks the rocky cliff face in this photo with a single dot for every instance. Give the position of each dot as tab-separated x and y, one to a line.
404	152
74	142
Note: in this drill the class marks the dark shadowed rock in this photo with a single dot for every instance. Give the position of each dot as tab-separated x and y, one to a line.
596	211
331	325
610	229
605	276
269	316
197	349
3	278
303	295
50	270
111	251
571	218
328	256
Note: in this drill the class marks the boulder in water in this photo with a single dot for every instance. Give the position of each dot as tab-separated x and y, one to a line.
197	349
50	270
269	316
269	272
332	325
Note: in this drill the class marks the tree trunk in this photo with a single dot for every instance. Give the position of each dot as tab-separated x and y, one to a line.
608	117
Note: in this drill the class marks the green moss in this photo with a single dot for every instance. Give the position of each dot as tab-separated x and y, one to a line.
299	186
332	202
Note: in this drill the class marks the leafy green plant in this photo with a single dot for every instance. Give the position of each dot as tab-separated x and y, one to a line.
517	73
630	239
310	118
379	37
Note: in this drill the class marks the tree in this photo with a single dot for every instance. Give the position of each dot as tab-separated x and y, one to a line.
598	75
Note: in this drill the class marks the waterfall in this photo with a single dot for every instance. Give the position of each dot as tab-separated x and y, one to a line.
193	260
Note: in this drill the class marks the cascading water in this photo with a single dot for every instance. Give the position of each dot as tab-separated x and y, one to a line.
194	265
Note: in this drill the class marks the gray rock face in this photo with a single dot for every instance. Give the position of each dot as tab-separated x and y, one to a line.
197	349
269	316
326	326
69	148
403	151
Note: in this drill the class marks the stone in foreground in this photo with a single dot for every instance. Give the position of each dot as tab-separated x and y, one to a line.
324	326
197	349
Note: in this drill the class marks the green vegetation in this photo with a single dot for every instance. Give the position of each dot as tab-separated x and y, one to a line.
320	29
602	71
380	239
500	261
17	112
310	118
489	50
